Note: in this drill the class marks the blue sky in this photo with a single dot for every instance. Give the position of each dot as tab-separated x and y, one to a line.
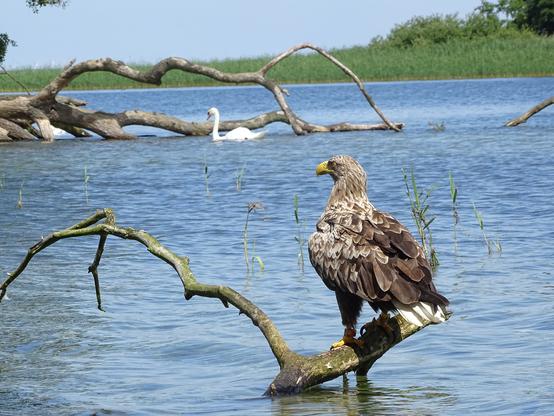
146	31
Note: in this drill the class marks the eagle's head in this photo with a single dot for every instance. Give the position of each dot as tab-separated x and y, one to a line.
349	176
342	167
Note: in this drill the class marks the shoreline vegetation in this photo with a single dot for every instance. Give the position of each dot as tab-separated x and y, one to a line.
525	55
497	40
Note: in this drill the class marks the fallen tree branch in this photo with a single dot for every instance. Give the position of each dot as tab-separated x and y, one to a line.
110	126
297	372
13	131
524	117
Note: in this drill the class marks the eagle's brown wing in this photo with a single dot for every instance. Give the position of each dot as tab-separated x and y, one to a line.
372	256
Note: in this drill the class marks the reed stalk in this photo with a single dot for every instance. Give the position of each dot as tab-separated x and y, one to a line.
419	207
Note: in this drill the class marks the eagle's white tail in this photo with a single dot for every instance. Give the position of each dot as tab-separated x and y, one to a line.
421	313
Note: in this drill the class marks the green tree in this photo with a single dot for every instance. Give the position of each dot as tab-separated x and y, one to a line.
535	15
5	41
35	5
540	16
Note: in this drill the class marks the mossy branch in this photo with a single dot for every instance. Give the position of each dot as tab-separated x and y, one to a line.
297	373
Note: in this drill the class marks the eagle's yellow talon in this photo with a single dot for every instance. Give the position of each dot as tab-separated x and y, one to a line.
338	344
348	339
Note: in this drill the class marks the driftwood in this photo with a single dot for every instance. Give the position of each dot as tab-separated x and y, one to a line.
297	372
524	117
47	109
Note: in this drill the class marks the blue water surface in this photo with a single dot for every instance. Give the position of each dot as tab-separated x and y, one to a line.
152	352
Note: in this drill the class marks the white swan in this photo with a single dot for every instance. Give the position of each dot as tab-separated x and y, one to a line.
238	134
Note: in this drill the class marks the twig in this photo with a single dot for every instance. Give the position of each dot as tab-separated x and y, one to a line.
15	80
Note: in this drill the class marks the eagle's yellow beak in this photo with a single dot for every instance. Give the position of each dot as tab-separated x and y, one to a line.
322	168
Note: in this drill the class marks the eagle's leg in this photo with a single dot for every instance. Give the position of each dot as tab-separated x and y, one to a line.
349	338
350	307
382	322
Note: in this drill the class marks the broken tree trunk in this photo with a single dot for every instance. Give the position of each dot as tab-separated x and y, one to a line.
297	372
46	108
524	117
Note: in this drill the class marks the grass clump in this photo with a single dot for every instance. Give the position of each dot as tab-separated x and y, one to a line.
419	207
19	204
300	239
239	175
454	59
249	260
86	178
492	245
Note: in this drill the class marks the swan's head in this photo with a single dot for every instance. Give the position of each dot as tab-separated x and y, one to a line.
212	112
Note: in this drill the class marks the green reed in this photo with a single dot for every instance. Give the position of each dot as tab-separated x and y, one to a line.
481	58
249	258
492	246
86	178
419	207
454	201
437	127
300	239
20	197
206	178
238	178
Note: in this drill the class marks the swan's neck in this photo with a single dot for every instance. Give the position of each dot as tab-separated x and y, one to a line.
215	131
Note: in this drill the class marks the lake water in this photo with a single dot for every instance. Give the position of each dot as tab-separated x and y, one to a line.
152	352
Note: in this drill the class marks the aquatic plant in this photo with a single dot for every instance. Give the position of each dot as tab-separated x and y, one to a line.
238	178
492	246
251	208
206	178
299	234
419	207
454	200
437	126
20	198
86	178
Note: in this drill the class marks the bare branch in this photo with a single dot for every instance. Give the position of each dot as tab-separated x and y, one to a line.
344	69
192	287
297	372
524	117
14	131
110	126
15	80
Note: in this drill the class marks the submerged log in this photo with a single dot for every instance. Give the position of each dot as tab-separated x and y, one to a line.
297	372
47	107
525	116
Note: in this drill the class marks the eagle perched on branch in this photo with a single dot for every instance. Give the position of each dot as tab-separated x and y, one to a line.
363	254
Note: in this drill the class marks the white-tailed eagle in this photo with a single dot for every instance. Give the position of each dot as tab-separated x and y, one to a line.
363	254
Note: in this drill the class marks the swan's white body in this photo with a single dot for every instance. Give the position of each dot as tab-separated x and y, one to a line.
238	134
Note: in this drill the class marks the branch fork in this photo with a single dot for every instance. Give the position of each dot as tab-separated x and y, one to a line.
297	372
46	108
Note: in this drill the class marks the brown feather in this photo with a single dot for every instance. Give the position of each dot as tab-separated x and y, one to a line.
362	252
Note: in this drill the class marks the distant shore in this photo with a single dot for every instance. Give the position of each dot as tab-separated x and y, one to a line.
483	58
